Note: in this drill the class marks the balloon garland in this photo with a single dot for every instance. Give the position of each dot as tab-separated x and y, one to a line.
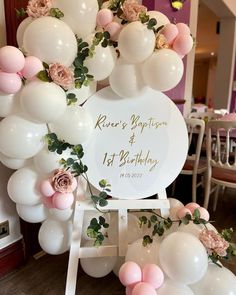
65	50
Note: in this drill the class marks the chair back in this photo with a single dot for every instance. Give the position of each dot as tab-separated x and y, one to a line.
206	116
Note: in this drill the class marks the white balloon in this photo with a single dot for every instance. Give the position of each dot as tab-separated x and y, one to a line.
44	102
33	214
101	64
175	205
126	79
22	187
13	163
163	70
61	215
9	104
83	93
183	258
195	229
136	42
170	287
74	126
80	15
217	281
21	30
161	19
143	255
134	230
97	267
21	138
51	40
55	236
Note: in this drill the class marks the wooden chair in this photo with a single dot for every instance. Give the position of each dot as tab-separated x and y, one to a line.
194	165
206	116
221	159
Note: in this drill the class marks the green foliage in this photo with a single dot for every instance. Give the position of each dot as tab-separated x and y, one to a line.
144	18
20	12
56	145
94	230
43	76
56	12
151	23
71	98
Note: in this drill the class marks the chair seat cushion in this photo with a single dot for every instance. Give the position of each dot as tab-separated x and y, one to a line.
224	174
188	165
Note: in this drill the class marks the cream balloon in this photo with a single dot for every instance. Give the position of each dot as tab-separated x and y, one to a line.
126	79
161	19
183	258
33	214
13	163
80	15
21	138
55	236
195	229
44	102
172	287
9	104
51	40
74	126
22	187
163	70
136	42
61	215
175	205
21	30
83	93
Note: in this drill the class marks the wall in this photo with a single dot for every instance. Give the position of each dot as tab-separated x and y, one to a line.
7	207
200	78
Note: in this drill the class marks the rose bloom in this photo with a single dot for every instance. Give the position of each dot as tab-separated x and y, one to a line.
131	10
61	75
38	8
63	181
213	242
161	42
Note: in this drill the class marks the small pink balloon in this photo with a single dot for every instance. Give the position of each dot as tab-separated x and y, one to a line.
183	44
183	28
12	59
204	214
104	17
182	212
46	188
62	201
170	31
192	206
74	184
144	289
130	273
10	83
114	29
33	65
153	275
47	202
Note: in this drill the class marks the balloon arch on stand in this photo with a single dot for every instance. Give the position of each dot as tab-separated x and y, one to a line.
72	145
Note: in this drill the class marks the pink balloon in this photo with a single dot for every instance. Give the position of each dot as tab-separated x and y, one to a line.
12	59
129	289
114	29
183	28
10	83
62	201
192	206
46	188
33	65
130	273
170	31
183	44
47	202
144	289
181	213
204	214
104	17
153	275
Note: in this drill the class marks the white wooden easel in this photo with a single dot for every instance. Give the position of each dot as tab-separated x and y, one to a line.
122	206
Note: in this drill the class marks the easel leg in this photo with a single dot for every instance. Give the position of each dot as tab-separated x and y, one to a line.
163	196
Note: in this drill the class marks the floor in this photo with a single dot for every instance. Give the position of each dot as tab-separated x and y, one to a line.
47	275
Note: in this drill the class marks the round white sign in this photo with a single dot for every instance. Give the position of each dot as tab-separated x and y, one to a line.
138	144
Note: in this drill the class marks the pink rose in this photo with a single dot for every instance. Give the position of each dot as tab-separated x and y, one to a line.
63	181
161	42
214	243
61	75
38	8
131	10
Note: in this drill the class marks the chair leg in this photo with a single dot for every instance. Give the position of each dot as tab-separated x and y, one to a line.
194	188
216	195
207	192
173	188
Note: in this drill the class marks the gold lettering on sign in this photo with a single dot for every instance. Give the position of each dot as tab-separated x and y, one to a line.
149	123
102	123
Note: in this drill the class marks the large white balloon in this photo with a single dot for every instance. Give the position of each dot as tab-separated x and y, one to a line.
44	102
126	79
74	126
217	281
9	104
143	255
171	287
13	163
33	214
21	138
22	187
80	15
183	258
136	42
21	30
163	70
83	93
51	40
161	19
61	215
55	236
